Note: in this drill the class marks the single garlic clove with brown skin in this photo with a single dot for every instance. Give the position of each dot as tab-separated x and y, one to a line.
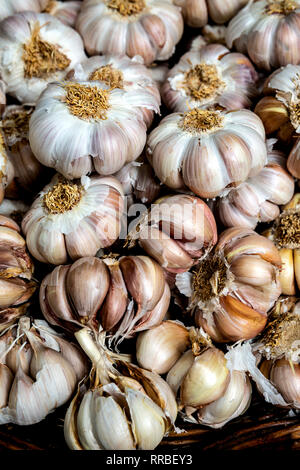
287	275
273	113
286	378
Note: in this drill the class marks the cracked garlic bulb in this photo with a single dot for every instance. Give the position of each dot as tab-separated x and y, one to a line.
66	12
207	151
120	72
176	231
232	290
39	371
78	127
285	234
35	49
268	31
148	28
196	12
210	76
73	219
257	199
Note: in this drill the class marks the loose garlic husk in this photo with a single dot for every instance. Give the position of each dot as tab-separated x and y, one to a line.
207	151
122	408
79	126
36	49
39	371
232	290
210	76
149	28
74	219
128	295
16	284
285	234
176	231
29	175
268	31
120	72
66	12
257	199
196	12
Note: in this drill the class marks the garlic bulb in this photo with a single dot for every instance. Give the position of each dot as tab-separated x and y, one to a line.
176	231
80	126
268	31
285	234
257	199
234	287
29	174
122	408
13	209
120	72
39	371
149	28
195	12
36	49
128	295
158	73
64	11
16	284
207	151
210	76
73	219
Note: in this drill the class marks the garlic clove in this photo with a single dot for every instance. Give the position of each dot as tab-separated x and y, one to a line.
297	266
85	422
14	291
18	357
115	303
273	113
71	427
6	380
179	370
252	271
286	377
155	316
286	275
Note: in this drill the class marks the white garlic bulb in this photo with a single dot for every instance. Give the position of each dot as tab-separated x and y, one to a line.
70	219
6	167
196	12
268	31
210	76
149	28
64	11
80	126
207	151
35	49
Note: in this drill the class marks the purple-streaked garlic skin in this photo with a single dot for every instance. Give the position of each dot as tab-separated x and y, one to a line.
66	11
15	32
152	33
271	39
234	70
128	295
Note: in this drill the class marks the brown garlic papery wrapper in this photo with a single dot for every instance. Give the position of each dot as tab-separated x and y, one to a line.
16	284
74	219
124	296
268	31
210	76
39	371
149	28
235	286
196	12
35	49
257	199
120	72
28	172
78	127
176	231
207	151
285	234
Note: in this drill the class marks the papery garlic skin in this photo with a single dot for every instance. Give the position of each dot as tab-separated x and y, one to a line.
210	76
149	28
268	32
257	199
129	295
58	227
196	12
6	168
191	150
45	369
24	65
88	126
120	72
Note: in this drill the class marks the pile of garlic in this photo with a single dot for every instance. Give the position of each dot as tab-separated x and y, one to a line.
149	214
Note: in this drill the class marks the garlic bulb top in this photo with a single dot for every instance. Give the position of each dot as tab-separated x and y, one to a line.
149	28
35	49
196	12
211	76
73	219
234	287
64	11
39	371
119	72
80	126
207	151
268	30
